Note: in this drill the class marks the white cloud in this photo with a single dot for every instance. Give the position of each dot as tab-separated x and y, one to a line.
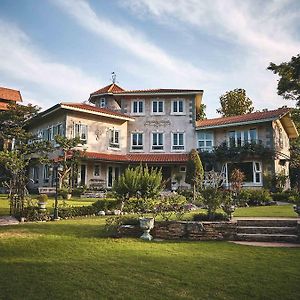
136	44
40	78
258	31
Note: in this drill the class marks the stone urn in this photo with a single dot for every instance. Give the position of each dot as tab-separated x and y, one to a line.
42	206
297	209
231	210
146	225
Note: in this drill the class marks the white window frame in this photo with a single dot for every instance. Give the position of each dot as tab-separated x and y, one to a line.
244	140
131	142
178	113
158	113
152	140
205	140
138	113
113	168
113	144
83	129
255	171
172	142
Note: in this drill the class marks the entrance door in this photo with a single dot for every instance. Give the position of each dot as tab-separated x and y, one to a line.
166	175
83	175
113	174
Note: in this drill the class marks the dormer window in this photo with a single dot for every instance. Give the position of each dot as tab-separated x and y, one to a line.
102	103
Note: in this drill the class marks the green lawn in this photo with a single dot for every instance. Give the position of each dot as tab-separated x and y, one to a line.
73	259
266	211
4	203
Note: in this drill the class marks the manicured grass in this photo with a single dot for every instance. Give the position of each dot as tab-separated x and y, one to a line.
266	211
74	260
4	203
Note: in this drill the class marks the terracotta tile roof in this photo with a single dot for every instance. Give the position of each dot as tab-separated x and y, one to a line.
3	106
117	90
111	88
137	157
88	107
10	94
256	116
159	91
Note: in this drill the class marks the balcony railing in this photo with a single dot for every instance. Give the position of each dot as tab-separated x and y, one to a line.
236	150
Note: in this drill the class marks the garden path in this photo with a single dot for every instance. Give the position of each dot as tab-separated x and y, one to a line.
8	220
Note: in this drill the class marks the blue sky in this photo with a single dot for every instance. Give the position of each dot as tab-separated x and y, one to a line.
62	50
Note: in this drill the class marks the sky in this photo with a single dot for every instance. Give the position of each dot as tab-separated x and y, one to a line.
63	50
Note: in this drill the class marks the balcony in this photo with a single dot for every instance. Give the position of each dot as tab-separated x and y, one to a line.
237	150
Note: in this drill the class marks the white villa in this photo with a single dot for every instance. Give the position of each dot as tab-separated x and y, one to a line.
157	127
119	128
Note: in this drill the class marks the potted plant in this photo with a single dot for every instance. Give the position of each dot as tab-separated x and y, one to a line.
146	225
42	201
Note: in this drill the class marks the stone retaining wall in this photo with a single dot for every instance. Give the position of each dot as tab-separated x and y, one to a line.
188	230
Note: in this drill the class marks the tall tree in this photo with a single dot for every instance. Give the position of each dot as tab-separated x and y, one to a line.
17	158
235	103
289	78
194	172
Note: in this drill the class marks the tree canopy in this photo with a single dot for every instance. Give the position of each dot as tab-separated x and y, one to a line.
289	78
235	103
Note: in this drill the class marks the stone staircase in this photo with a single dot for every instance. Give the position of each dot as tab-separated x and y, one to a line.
268	231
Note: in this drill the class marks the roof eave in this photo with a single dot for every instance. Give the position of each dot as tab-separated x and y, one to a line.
158	93
97	113
236	124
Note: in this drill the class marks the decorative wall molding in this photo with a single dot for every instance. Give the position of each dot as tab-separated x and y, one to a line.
157	123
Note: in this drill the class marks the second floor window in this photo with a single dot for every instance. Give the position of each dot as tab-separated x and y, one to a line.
81	131
138	107
137	141
157	141
238	138
114	138
205	141
157	107
178	107
178	141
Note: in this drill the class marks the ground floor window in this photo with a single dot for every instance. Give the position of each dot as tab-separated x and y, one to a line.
113	174
252	171
96	170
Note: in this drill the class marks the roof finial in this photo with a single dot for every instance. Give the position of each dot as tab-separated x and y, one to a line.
113	77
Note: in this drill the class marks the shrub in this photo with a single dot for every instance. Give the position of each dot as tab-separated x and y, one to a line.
206	217
42	198
290	196
171	205
64	192
31	213
78	191
212	199
255	197
105	204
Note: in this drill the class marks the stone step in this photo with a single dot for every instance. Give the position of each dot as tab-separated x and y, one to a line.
267	223
291	238
267	230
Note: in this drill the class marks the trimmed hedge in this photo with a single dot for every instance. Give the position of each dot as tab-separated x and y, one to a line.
206	217
290	196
